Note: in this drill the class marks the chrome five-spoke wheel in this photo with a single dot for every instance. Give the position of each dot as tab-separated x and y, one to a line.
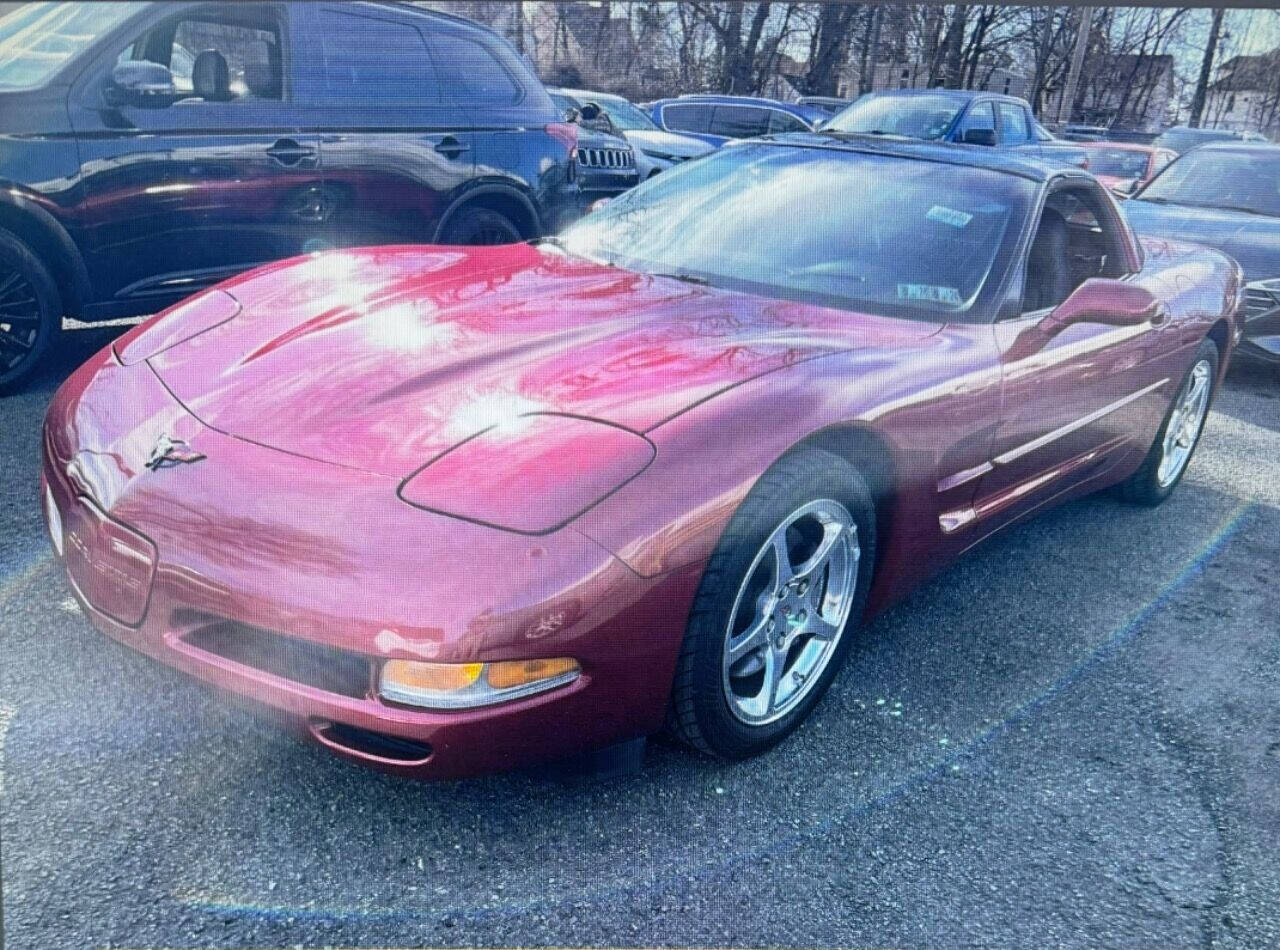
790	611
1185	422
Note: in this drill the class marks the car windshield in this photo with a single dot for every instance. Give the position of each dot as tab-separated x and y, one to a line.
36	40
624	115
1117	162
1239	181
914	116
924	246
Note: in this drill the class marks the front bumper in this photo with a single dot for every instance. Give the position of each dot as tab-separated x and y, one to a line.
288	582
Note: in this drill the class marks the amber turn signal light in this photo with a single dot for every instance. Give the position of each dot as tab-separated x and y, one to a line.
467	685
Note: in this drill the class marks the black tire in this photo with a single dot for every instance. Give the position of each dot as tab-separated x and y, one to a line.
30	312
480	226
699	713
1144	487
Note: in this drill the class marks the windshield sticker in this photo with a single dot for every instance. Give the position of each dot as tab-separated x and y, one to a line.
933	294
957	219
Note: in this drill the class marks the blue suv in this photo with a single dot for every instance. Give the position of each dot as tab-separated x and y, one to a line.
717	119
148	150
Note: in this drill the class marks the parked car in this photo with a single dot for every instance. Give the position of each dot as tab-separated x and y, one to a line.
1182	138
124	187
828	105
1084	133
955	115
1123	167
661	469
1225	195
607	164
656	150
718	119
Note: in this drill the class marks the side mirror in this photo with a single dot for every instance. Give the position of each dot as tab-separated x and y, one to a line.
140	83
1104	300
979	137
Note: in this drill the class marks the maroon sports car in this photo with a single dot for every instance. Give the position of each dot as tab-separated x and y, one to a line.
453	510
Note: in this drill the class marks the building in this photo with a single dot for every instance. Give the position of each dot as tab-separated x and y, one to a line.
1245	96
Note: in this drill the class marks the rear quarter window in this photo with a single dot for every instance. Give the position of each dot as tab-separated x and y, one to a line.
472	72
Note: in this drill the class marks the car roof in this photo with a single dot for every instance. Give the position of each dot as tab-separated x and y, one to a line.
970	156
728	100
961	94
1242	146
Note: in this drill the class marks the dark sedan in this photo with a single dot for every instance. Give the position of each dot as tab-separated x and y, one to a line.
1226	195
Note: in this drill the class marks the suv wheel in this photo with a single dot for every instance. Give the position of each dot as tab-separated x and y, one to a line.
30	312
480	226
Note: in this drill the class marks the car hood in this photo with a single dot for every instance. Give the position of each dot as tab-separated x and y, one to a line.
384	358
1252	239
668	143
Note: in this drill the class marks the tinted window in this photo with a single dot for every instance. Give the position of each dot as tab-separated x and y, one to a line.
1236	180
780	121
686	117
980	117
470	71
928	245
1013	124
739	122
624	115
373	59
915	116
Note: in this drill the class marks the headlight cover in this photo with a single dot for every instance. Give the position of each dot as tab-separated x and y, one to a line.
176	325
532	475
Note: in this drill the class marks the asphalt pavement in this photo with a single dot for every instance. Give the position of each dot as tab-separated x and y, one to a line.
1069	739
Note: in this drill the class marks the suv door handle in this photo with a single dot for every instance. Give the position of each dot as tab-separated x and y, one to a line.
289	152
451	147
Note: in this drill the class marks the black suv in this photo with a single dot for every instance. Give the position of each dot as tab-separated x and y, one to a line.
148	150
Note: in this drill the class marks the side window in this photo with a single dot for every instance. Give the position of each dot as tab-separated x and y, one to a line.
379	61
981	121
1013	124
471	72
235	61
686	117
780	121
739	122
1073	242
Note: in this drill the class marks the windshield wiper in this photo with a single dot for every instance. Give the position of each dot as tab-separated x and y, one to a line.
687	278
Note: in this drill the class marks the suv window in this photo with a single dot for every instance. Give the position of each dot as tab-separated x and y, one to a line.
687	117
739	122
380	61
780	121
1013	124
251	54
471	72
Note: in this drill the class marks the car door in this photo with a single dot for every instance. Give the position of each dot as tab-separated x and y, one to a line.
394	151
194	188
1073	400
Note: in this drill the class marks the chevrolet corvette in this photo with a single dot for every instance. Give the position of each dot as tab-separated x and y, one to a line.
454	510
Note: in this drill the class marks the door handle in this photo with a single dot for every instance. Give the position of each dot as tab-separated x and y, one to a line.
288	152
451	147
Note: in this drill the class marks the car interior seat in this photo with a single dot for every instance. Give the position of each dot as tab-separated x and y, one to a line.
263	76
1049	279
210	77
